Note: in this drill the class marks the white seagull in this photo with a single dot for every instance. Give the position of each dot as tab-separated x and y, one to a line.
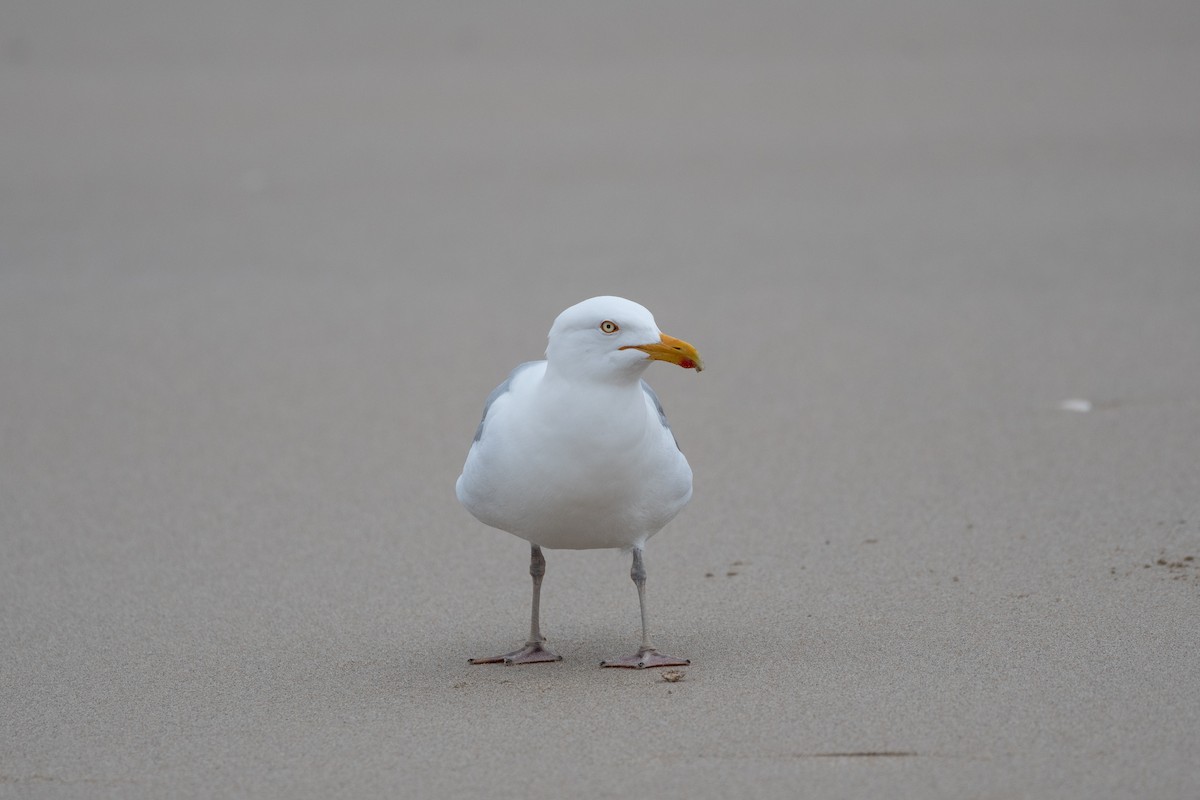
575	452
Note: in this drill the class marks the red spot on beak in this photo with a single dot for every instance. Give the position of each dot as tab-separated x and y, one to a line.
687	363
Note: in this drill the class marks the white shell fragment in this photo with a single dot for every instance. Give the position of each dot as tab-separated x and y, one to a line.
1076	404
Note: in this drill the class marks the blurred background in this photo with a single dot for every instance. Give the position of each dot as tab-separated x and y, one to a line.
260	264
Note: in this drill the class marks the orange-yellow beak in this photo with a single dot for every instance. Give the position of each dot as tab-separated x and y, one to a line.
676	351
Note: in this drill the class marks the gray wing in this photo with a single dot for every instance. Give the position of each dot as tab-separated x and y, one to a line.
499	390
662	415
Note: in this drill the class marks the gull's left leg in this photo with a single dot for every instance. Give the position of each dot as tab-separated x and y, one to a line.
646	656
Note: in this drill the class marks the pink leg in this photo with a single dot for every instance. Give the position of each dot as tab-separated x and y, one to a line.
646	656
535	650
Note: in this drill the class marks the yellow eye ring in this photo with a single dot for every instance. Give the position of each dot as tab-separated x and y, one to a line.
608	326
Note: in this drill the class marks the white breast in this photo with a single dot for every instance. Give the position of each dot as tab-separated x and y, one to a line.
575	467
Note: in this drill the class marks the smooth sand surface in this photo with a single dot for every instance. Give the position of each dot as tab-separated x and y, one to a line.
261	263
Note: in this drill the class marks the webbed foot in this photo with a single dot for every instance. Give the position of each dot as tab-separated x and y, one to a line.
647	659
531	653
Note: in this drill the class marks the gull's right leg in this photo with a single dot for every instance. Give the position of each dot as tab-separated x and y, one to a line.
535	650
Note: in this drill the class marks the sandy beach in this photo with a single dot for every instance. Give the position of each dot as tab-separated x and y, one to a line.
261	264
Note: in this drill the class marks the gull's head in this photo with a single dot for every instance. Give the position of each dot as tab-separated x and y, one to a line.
612	336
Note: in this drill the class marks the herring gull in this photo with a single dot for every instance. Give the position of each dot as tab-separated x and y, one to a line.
575	452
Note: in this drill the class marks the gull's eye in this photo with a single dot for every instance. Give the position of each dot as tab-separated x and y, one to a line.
608	326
